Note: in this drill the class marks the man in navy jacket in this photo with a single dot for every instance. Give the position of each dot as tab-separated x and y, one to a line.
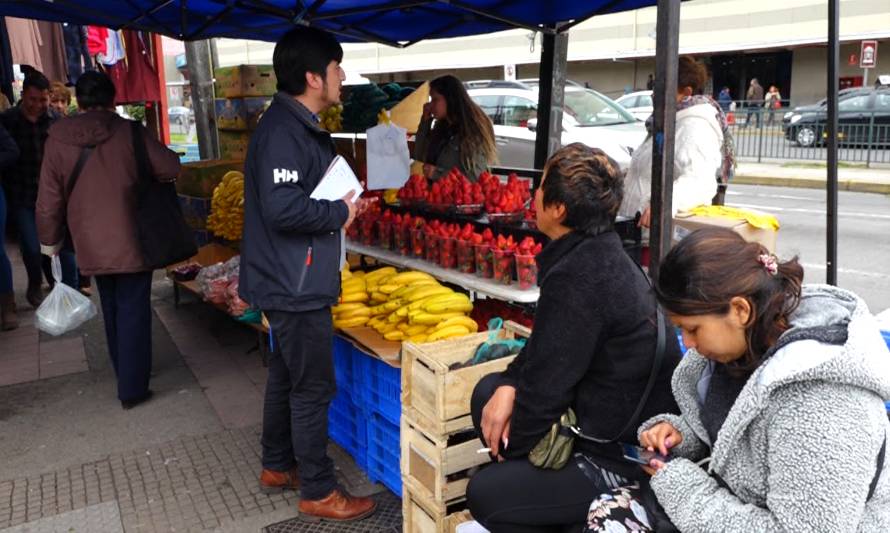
290	263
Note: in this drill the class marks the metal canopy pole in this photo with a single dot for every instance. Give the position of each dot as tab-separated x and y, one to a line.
831	221
197	56
664	116
551	96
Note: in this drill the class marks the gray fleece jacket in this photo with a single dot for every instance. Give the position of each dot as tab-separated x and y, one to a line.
799	447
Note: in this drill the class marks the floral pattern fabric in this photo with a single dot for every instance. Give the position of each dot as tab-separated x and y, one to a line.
618	511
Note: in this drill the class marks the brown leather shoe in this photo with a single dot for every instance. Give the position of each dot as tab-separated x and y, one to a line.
338	506
34	295
274	482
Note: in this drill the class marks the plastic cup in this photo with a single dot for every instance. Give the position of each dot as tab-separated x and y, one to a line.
417	242
431	252
466	257
447	252
401	240
484	265
503	265
526	271
367	232
384	233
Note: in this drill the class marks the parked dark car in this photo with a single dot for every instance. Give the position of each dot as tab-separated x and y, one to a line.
863	118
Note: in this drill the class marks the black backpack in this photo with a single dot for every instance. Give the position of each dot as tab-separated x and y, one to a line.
163	234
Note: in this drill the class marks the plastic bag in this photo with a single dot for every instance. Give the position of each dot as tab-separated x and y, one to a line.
64	309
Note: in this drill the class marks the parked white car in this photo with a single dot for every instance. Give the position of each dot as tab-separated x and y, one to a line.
590	118
639	104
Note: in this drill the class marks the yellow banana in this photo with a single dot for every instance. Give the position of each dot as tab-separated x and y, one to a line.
408	277
353	297
390	327
374	322
394	335
447	333
425	291
403	311
354	284
415	329
394	318
363	311
403	326
404	289
345	274
346	307
380	273
464	307
351	322
431	319
465	321
392	305
379	296
418	339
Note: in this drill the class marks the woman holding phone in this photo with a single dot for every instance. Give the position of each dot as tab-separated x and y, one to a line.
783	425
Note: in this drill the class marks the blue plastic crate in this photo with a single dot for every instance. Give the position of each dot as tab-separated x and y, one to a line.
343	365
382	391
383	453
348	427
361	363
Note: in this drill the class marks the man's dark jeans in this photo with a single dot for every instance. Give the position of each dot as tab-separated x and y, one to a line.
299	390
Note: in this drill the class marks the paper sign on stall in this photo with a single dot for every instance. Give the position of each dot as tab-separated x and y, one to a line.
388	157
338	180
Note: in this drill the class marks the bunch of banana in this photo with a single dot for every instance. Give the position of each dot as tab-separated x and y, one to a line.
227	207
403	306
332	118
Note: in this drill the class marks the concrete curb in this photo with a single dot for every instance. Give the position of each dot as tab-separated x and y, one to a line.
810	183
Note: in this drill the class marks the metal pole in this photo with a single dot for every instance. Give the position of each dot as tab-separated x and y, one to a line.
551	96
214	55
833	61
664	117
197	55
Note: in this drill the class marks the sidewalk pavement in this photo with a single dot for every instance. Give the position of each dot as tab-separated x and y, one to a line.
810	176
188	460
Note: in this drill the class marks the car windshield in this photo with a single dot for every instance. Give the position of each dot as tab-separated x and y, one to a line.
587	107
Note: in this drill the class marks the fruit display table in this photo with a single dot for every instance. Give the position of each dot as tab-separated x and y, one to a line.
472	283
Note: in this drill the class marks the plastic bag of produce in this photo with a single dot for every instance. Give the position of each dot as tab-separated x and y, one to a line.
65	308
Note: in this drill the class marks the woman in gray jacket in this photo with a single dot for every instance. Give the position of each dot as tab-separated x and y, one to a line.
462	136
783	425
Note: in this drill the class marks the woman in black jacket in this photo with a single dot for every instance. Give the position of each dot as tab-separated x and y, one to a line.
592	349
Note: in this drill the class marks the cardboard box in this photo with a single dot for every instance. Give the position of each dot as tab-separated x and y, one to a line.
231	114
685	223
233	144
254	108
199	178
245	80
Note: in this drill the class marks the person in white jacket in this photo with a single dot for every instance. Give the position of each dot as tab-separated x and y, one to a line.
701	152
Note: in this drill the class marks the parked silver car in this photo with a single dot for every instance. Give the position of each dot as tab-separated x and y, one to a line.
639	104
590	118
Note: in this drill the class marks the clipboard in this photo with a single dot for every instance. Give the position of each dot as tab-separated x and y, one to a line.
337	181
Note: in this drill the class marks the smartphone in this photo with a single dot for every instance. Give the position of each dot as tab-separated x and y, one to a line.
642	456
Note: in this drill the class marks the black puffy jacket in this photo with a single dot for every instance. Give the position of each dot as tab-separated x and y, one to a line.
290	250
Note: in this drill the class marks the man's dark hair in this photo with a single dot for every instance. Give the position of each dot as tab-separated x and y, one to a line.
94	89
301	50
35	79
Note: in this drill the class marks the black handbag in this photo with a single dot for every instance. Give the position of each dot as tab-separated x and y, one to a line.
163	234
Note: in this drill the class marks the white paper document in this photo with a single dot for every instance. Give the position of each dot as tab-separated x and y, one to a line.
388	157
338	180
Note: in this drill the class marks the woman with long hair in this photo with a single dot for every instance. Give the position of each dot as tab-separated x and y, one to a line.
782	425
462	135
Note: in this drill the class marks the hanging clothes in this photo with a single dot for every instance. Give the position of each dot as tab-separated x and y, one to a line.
142	81
52	52
114	49
24	42
97	40
76	51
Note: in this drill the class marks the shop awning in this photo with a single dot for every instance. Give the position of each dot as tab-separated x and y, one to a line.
392	22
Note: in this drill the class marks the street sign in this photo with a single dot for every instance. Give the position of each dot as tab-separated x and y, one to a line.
868	54
510	72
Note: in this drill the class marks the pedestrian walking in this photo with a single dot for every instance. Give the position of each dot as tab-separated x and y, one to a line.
28	123
754	98
771	102
98	206
290	263
9	153
724	99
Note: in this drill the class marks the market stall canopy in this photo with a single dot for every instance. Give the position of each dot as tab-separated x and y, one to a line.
396	23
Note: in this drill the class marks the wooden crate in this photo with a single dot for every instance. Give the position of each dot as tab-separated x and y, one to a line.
420	514
441	395
436	469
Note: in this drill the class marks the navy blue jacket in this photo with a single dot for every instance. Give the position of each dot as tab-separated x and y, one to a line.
290	249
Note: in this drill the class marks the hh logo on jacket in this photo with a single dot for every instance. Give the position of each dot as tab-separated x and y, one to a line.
282	175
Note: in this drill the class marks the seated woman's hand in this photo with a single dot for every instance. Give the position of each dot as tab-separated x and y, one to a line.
661	438
496	418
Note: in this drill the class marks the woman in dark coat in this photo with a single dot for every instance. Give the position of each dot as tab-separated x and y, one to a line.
592	349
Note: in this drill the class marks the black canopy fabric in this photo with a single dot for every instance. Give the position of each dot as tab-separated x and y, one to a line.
392	22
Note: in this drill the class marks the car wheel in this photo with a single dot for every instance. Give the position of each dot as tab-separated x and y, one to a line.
806	136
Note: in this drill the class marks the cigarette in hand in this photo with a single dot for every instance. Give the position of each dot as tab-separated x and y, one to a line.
483	450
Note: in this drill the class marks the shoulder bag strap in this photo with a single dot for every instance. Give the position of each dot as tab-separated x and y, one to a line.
140	153
78	167
878	470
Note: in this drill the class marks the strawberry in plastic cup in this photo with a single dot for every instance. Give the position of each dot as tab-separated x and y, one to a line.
503	265
384	231
526	271
484	264
447	252
466	258
432	247
418	241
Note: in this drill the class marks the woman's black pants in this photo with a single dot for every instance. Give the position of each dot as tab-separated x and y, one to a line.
514	496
